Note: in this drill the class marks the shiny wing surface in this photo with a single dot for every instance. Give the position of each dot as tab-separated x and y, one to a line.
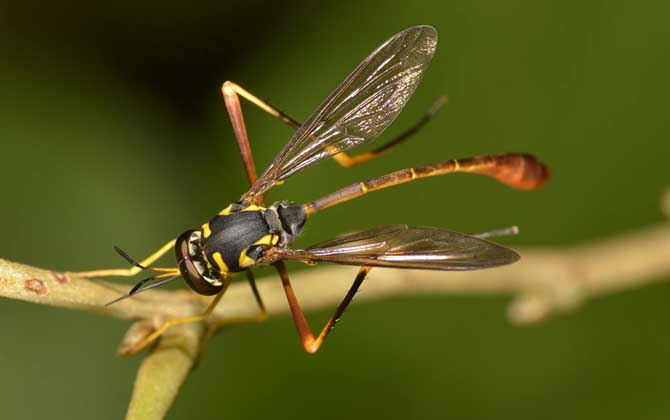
360	108
402	246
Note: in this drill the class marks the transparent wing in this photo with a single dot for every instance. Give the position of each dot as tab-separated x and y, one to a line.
360	108
402	246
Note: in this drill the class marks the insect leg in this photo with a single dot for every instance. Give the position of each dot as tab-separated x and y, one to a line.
348	161
127	272
262	316
509	231
342	158
177	321
239	90
309	342
519	171
237	121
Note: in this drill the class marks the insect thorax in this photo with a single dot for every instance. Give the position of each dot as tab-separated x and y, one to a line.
238	236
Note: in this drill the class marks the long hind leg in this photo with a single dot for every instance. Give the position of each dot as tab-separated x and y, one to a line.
310	343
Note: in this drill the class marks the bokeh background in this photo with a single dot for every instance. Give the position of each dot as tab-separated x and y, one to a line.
113	131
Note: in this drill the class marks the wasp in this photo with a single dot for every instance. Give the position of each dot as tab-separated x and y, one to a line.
248	234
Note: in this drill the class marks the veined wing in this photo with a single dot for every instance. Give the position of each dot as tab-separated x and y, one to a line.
402	246
360	108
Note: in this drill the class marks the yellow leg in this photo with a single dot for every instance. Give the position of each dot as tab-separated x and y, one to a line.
177	321
127	272
229	87
261	317
342	158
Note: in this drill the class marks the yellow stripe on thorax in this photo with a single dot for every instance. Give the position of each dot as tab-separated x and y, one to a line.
218	259
252	207
246	261
206	231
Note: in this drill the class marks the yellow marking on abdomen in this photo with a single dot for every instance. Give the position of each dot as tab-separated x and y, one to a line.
363	187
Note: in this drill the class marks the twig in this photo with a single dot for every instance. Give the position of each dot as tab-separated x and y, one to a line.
544	282
163	371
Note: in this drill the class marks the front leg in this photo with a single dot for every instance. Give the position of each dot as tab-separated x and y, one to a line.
128	272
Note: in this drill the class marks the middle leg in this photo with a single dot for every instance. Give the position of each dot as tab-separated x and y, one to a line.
262	315
177	321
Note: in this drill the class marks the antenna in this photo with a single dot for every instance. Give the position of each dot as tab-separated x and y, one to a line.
167	276
128	258
138	288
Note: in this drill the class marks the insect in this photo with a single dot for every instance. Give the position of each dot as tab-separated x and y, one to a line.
246	234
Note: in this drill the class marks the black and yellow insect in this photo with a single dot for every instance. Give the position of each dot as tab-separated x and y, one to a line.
246	234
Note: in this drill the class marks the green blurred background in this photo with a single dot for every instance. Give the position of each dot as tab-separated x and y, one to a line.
113	131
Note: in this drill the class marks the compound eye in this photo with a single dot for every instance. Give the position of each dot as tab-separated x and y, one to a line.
194	278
